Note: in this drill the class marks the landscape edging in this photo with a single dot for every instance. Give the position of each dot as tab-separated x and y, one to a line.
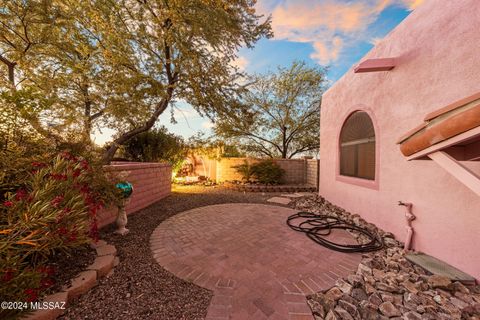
106	259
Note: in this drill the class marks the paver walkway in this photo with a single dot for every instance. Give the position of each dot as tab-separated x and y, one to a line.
256	266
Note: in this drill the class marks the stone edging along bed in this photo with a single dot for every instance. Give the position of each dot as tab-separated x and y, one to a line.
269	188
102	266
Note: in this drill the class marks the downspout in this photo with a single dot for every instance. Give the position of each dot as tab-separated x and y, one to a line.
409	217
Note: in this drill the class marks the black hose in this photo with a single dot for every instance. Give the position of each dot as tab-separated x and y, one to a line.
316	227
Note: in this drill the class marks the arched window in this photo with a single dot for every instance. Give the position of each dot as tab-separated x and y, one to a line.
357	147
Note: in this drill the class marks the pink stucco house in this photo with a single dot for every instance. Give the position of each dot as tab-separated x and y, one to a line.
404	125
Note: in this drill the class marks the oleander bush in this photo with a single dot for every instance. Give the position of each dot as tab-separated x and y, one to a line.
53	209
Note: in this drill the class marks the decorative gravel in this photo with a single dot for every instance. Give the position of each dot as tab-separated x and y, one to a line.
139	288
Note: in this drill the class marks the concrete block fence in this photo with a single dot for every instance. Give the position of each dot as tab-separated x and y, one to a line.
151	182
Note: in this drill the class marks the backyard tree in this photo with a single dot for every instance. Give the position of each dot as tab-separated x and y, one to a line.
157	145
280	114
121	64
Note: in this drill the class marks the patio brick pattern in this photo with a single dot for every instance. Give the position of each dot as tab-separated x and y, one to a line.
256	266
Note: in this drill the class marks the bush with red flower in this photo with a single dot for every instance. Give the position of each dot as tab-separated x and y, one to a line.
53	210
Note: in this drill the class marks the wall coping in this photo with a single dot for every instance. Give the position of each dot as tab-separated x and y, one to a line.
135	166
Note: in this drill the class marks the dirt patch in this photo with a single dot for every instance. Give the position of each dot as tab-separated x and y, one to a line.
68	266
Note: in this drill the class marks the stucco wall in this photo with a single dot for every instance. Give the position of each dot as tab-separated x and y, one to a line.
151	182
437	63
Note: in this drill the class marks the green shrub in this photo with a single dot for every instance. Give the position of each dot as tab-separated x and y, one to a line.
267	172
245	170
53	210
157	145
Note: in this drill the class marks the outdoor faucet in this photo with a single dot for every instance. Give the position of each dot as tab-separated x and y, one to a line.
409	216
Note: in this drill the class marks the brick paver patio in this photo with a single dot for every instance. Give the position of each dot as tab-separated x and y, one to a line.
256	266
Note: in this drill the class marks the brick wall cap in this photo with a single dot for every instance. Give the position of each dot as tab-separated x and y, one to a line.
135	166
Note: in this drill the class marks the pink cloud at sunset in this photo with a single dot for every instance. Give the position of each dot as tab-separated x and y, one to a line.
329	25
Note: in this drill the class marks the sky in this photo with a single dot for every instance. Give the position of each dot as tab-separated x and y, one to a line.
331	33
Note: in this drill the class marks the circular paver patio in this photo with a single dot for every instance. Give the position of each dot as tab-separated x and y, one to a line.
256	266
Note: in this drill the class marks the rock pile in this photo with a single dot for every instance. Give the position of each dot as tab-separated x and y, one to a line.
388	286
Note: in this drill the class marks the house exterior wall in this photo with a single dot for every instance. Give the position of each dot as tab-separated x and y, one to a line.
151	182
436	49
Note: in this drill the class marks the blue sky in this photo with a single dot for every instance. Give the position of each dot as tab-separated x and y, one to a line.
333	33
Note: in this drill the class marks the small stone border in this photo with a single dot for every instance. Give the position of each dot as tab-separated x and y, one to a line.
268	188
103	266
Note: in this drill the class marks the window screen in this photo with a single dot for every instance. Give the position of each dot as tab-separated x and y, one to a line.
357	147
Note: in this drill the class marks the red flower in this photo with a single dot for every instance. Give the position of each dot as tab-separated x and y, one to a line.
48	270
84	164
73	236
8	204
84	188
21	194
67	155
58	177
62	230
7	276
77	172
31	294
94	230
46	283
38	164
56	201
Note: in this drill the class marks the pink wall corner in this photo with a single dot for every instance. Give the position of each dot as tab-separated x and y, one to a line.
429	75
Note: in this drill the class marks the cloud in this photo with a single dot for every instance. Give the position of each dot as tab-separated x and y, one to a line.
241	63
207	124
329	25
412	4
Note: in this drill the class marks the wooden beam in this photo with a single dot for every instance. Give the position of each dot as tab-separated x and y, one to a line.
456	169
462	137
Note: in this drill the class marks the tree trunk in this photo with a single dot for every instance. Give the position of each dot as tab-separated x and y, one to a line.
112	149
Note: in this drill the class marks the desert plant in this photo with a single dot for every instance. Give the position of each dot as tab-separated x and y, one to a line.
267	172
245	170
54	210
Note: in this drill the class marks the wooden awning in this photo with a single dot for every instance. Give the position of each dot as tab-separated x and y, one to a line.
447	136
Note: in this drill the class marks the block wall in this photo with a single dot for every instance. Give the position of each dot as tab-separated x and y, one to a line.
151	182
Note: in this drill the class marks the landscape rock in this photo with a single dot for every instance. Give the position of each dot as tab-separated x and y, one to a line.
436	281
388	286
389	310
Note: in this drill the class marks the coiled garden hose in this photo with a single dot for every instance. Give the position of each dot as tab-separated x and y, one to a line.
316	227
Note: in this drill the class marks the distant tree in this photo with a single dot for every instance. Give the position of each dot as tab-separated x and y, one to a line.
157	145
279	117
121	64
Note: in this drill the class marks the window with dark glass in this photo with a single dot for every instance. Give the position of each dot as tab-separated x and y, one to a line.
357	147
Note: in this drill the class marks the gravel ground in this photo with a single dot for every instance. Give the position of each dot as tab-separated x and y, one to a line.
139	288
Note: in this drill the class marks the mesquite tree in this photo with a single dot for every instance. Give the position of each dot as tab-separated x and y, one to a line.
121	64
279	117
